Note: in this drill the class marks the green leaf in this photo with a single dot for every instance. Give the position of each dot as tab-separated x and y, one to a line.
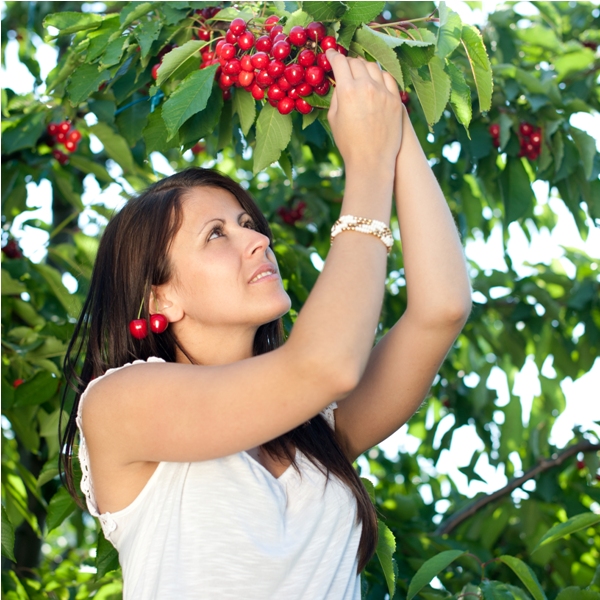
571	62
413	53
70	22
574	593
285	162
449	35
114	145
131	122
70	302
10	286
171	15
85	81
516	191
134	11
37	390
245	106
324	11
369	487
60	507
188	99
380	51
156	135
204	122
175	58
85	165
320	101
586	145
225	126
8	537
460	96
495	590
345	35
64	186
231	13
430	569
296	18
480	65
386	546
273	133
24	134
362	12
114	51
107	558
526	575
310	118
100	37
146	33
432	85
576	523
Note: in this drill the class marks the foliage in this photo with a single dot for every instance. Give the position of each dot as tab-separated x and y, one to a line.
460	80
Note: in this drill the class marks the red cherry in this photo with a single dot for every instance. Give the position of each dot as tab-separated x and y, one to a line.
293	93
304	89
238	26
270	22
529	148
208	57
446	403
494	129
52	128
246	40
226	80
138	328
341	50
198	148
405	97
232	67
246	63
276	68
302	106
158	323
227	94
227	51
284	84
219	46
273	103
154	71
60	156
281	37
306	58
275	92
286	106
259	60
246	78
322	88
536	139
12	250
257	92
323	62
496	142
294	74
263	43
328	42
64	127
70	146
316	31
298	35
61	137
281	50
18	382
263	79
231	38
526	129
203	34
580	465
314	75
277	29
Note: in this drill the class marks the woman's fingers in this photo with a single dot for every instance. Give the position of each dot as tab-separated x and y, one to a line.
339	66
390	83
374	71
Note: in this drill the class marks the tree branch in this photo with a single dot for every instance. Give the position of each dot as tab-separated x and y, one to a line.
544	465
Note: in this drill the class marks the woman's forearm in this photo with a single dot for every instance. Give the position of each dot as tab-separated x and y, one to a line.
435	269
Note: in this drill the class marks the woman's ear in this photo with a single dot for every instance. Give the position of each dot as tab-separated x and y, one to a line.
164	301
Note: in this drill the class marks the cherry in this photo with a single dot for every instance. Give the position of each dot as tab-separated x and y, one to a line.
405	97
64	127
496	142
246	63
328	42
270	22
298	35
263	43
246	40
227	51
536	139
12	250
219	46
70	146
304	89
281	50
158	323
203	34
231	38
306	58
530	148
246	78
276	30
61	157
494	129
52	128
274	103
316	31
238	26
580	465
198	148
226	80
18	382
233	67
525	129
322	88
294	74
302	106
293	93
138	328
286	106
263	79
227	94
154	71
314	75
281	37
341	50
61	137
275	92
259	60
275	68
284	84
323	62
257	92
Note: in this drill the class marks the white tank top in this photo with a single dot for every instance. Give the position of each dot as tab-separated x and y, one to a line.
227	528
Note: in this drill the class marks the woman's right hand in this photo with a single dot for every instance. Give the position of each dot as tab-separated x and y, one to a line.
365	113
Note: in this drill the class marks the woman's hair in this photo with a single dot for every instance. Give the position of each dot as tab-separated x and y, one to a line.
133	256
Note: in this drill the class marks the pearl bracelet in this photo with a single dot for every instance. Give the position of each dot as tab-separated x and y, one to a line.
377	228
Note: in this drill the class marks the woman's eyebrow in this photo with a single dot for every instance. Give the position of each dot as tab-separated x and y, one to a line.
224	221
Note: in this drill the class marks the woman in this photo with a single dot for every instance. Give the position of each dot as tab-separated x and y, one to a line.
214	460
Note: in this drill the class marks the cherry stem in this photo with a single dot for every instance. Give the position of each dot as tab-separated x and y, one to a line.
140	311
429	19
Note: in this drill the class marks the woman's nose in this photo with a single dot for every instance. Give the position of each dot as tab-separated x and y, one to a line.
258	242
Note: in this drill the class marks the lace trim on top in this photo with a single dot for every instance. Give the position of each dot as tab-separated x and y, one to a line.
106	520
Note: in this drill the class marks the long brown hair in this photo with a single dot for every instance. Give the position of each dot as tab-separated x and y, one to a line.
132	257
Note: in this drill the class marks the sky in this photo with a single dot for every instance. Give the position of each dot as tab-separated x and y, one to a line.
581	396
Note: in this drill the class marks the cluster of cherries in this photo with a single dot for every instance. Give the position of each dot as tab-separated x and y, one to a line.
281	68
291	215
139	327
530	138
63	133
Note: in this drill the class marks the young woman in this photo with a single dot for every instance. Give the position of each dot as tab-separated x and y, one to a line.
210	452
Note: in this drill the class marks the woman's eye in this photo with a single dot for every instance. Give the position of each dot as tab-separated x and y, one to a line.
218	230
250	224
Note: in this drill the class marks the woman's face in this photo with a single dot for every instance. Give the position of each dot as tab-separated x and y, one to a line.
215	256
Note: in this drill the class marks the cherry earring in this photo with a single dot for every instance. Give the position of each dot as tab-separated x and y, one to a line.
158	322
138	327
